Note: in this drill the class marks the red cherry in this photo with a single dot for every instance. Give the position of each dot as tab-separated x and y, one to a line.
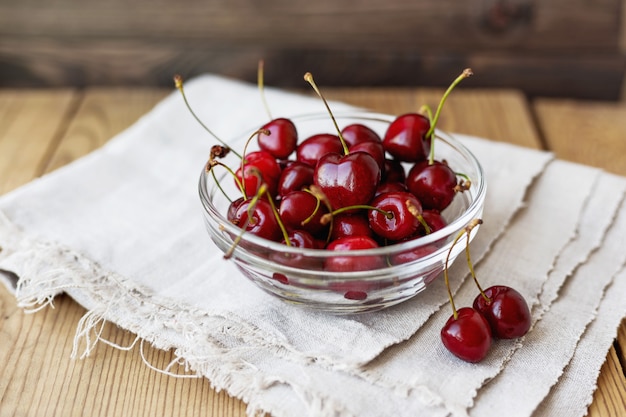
467	336
231	213
405	138
262	222
347	180
413	255
394	171
353	224
281	141
506	311
375	149
433	184
434	220
353	263
263	163
298	206
385	187
399	222
358	133
298	239
294	177
315	147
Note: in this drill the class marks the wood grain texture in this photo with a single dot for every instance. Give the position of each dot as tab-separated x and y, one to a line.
591	133
36	375
549	48
31	124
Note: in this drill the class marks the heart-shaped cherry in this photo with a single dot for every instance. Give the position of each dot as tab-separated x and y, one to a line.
347	180
506	311
467	335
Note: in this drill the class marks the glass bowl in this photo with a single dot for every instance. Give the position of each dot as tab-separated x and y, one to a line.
297	275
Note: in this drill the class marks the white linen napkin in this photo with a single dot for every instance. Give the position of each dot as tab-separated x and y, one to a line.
120	231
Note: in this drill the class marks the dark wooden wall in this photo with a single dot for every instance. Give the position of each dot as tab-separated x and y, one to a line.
567	48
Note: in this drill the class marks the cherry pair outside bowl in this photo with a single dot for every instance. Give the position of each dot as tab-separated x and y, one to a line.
297	275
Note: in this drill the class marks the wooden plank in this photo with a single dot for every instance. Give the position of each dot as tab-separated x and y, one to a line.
152	62
102	114
610	397
31	123
521	25
591	133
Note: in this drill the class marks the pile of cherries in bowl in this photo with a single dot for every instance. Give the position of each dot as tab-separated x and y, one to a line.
345	212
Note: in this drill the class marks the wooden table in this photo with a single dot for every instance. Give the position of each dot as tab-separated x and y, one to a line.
41	130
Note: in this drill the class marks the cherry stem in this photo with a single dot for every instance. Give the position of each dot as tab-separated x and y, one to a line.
429	113
309	78
318	203
178	82
468	230
467	72
219	187
281	225
415	212
319	194
213	163
262	89
243	159
326	217
250	211
464	184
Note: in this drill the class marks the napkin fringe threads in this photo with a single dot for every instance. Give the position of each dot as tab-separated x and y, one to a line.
45	270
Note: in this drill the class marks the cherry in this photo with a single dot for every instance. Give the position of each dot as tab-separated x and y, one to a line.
358	133
347	180
433	184
434	220
467	335
413	255
231	213
394	171
256	216
313	148
394	219
302	210
255	163
346	224
375	149
281	140
405	138
353	263
294	177
385	187
506	311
